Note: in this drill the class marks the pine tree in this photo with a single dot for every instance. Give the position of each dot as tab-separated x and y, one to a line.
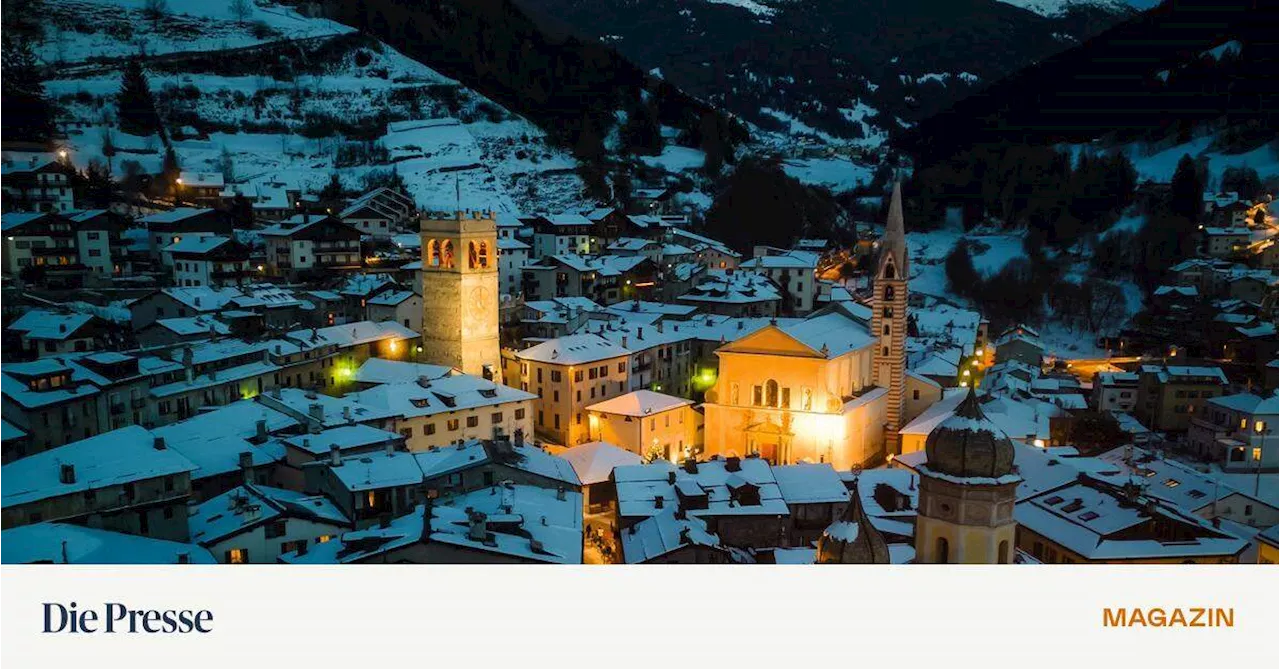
642	133
28	114
1186	190
136	106
170	172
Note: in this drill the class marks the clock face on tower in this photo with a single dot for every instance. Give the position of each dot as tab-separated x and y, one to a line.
477	306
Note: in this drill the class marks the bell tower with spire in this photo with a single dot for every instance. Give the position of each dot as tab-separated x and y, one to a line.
889	320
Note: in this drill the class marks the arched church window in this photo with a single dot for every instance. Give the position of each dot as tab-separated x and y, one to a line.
888	292
433	253
472	255
888	271
886	328
1003	553
484	254
884	351
771	393
888	312
446	254
942	551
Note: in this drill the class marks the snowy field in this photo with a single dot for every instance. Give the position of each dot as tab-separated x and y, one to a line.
441	138
86	31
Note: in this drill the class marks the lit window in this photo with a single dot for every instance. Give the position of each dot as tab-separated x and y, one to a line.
238	556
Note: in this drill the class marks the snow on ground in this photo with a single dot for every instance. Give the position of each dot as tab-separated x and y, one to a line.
1159	165
991	251
838	174
749	5
443	139
84	31
676	158
1059	7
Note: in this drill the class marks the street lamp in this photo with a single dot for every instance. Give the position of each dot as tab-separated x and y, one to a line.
1259	430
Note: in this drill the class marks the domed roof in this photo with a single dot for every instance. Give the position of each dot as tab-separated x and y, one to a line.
852	539
968	444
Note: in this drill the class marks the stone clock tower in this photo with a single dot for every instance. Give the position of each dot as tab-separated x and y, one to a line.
460	292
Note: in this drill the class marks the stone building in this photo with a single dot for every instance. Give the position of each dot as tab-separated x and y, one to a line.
460	293
889	320
967	491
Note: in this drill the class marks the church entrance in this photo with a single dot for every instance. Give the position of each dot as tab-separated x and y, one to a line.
768	441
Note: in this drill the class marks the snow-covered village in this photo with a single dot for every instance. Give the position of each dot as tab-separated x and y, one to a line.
557	282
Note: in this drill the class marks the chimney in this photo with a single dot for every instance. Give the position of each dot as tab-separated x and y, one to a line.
158	444
671	477
62	327
624	341
560	493
657	501
390	448
640	333
260	430
733	464
335	454
316	411
246	466
346	413
478	529
518	438
67	473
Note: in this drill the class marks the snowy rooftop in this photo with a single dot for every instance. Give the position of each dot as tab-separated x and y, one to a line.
834	332
45	324
1183	373
595	461
738	287
664	533
1248	403
639	403
197	245
1100	524
345	437
203	298
800	260
213	440
715	484
62	543
391	298
374	471
179	214
522	522
810	483
381	370
249	506
112	458
573	350
437	396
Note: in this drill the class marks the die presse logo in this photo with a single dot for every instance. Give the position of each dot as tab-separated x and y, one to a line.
116	618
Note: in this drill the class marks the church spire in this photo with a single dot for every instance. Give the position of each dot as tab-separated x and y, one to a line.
852	539
894	243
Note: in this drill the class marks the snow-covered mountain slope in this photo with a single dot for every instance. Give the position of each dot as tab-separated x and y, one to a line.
276	99
843	73
1061	7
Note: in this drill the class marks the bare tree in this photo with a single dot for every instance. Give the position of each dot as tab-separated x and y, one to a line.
242	10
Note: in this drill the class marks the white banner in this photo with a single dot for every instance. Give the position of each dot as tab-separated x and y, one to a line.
662	616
